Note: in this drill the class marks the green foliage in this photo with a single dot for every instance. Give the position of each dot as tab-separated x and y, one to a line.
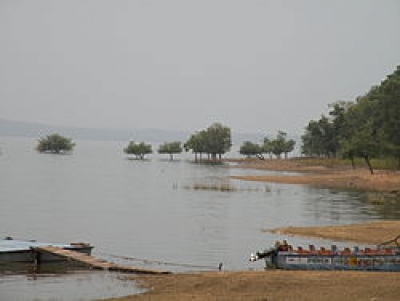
55	144
250	149
213	141
368	128
170	148
278	146
138	149
319	138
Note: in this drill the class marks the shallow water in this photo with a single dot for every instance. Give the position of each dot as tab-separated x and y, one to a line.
77	286
148	210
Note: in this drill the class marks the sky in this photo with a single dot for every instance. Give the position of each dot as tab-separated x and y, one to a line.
254	66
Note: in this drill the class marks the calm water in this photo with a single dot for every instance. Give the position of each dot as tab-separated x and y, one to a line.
147	210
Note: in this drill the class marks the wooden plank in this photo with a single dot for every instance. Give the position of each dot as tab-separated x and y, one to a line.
95	262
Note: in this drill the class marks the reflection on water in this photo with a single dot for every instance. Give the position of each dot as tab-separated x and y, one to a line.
82	285
387	206
141	209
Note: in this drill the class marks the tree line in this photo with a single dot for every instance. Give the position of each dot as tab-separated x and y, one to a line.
211	143
278	146
367	128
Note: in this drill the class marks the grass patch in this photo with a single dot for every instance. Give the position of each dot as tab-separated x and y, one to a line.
377	163
225	187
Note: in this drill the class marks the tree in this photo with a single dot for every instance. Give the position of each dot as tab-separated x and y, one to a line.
214	141
170	148
280	145
289	147
138	149
266	148
217	140
389	102
340	126
367	128
196	143
319	138
250	149
55	144
364	138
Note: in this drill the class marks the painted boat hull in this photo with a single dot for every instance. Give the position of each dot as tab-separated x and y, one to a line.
357	262
385	259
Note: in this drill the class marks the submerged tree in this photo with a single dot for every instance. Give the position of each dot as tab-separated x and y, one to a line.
138	149
55	144
196	143
217	140
170	148
214	141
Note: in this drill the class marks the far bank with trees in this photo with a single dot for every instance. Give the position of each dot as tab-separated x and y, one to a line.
367	128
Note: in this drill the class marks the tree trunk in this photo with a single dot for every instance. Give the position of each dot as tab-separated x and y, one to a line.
352	162
398	162
366	158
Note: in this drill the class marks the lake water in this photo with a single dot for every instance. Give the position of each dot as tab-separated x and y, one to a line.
149	210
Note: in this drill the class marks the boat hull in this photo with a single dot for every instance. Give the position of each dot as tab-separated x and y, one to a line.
14	251
284	256
287	261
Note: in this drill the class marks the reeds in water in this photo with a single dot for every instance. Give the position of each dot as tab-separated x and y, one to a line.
226	187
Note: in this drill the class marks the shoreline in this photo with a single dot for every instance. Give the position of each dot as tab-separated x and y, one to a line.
373	233
275	285
329	176
260	285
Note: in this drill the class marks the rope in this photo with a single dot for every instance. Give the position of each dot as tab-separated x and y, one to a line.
394	240
159	262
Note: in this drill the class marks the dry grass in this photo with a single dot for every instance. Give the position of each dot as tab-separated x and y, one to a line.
226	187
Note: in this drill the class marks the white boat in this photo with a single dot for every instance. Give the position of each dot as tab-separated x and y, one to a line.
12	250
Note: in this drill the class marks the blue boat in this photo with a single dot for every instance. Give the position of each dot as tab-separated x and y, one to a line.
384	257
12	250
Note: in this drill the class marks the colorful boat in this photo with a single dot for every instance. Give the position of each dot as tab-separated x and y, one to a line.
384	257
12	250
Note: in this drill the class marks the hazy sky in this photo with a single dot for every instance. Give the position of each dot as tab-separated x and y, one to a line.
255	66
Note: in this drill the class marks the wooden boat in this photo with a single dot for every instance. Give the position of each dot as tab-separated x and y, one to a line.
12	250
384	257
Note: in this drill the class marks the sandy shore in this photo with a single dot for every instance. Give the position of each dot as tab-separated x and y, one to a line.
368	233
340	177
272	285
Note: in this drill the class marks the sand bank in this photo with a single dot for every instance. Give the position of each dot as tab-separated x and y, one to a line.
340	177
